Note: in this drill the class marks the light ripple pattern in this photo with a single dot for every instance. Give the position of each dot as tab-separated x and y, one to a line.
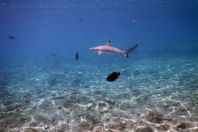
151	95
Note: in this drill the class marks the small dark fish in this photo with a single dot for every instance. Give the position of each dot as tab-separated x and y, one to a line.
194	21
53	54
11	37
77	55
113	76
80	19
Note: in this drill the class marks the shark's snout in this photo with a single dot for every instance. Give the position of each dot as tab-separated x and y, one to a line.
92	49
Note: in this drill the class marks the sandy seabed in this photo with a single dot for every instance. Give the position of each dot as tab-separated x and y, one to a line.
151	95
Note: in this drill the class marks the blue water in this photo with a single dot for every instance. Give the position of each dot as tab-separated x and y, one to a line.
47	89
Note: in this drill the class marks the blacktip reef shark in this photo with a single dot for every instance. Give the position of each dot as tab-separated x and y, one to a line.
108	48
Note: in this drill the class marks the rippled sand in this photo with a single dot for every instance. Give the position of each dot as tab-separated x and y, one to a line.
150	95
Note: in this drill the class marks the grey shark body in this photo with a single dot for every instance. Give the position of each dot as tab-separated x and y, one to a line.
108	48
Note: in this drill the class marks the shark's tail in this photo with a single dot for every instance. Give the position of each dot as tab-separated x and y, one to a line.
128	51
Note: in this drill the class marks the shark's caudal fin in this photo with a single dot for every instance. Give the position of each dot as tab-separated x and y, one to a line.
128	51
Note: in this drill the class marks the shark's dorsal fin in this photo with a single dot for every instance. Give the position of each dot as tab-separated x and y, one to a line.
108	43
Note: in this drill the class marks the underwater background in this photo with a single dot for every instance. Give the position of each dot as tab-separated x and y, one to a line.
44	88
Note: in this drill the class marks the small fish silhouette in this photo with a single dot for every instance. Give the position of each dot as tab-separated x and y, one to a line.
11	37
77	55
53	54
113	76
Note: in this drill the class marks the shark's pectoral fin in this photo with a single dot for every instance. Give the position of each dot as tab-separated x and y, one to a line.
100	52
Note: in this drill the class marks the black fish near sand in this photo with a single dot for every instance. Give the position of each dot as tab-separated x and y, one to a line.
113	76
77	55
